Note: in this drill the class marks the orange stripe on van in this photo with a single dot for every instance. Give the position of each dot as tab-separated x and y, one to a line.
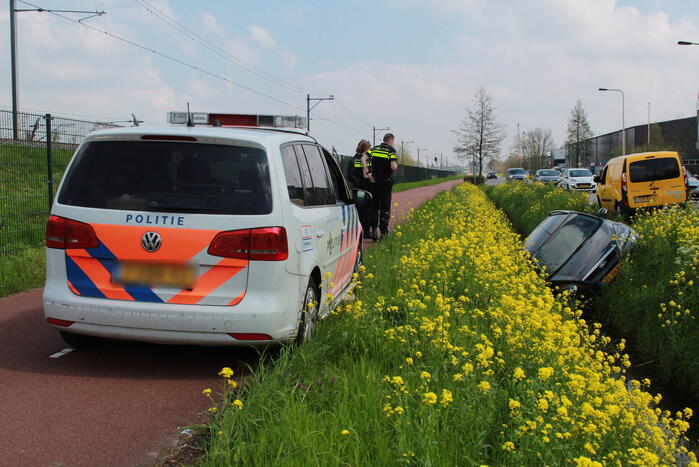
178	245
207	283
100	277
237	299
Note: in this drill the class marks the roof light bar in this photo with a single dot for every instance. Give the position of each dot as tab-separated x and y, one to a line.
238	120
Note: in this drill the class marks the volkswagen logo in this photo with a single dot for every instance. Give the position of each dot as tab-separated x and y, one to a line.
151	241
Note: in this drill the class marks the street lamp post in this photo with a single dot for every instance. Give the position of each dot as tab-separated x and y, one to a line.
402	158
623	120
418	155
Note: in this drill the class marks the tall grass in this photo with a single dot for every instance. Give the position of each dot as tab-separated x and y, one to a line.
22	271
454	352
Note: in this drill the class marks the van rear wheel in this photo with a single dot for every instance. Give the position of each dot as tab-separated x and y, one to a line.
308	316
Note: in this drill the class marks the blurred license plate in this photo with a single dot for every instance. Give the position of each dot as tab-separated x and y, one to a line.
584	185
612	274
156	275
643	199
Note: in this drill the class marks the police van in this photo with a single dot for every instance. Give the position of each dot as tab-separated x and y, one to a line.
239	230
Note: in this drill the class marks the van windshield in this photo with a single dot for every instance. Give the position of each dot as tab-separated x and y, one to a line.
649	170
169	177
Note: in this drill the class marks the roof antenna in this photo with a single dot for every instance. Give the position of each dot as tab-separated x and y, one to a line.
189	116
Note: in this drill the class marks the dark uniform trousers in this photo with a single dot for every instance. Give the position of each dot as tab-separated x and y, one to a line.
381	205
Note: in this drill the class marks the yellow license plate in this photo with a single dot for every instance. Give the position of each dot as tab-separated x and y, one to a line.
163	275
612	274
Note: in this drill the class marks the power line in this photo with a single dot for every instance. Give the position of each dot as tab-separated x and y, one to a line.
193	36
194	67
171	58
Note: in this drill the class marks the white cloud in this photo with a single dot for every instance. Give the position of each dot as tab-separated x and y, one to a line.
212	24
262	36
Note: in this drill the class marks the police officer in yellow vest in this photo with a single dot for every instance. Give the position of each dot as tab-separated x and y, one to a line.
359	175
383	163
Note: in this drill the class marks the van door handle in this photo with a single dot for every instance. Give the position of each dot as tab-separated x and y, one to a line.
320	233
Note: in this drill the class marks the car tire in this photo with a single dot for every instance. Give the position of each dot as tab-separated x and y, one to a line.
80	341
359	259
308	317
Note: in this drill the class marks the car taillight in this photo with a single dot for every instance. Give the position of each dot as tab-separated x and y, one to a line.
231	244
60	322
263	244
68	234
269	244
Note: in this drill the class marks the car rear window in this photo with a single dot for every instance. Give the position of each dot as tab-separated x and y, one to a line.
648	170
555	251
580	173
169	177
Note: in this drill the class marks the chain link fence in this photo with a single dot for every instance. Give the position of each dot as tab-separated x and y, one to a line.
33	157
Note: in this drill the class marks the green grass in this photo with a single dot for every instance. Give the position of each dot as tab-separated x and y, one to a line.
23	270
526	204
431	181
449	294
24	202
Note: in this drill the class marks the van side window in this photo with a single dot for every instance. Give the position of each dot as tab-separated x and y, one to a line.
309	198
294	184
603	178
321	186
335	177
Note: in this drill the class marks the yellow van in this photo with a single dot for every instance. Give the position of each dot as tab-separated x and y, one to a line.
642	180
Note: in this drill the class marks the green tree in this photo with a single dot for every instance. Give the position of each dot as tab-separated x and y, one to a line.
578	144
480	135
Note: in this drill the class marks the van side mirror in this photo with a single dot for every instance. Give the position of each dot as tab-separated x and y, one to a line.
597	179
361	197
602	212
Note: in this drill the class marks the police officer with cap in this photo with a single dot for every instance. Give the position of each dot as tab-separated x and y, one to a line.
383	163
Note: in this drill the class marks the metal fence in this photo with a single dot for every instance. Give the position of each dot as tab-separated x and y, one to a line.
33	157
406	173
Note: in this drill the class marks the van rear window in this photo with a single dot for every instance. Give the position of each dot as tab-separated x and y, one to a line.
649	170
169	177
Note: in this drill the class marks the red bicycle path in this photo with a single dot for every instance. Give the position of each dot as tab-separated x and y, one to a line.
119	404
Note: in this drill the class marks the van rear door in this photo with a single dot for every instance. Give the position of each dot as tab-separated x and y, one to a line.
655	180
155	207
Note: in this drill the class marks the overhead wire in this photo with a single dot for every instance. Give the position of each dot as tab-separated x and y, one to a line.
191	66
192	35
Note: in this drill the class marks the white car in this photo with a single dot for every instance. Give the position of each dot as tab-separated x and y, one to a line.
578	180
200	235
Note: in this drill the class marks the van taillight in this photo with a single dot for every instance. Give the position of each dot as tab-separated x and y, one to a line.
686	179
623	182
68	234
264	244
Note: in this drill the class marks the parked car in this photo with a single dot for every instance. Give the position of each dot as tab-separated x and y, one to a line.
642	180
200	235
547	176
578	180
517	174
492	175
580	251
692	186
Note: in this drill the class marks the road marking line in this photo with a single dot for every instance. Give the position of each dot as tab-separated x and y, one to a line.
63	352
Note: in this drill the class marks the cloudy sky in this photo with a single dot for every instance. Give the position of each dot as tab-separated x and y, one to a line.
413	65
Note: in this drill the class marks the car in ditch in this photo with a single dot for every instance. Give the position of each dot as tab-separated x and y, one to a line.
579	251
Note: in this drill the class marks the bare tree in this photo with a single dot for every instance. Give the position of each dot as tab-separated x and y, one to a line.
480	134
536	145
578	142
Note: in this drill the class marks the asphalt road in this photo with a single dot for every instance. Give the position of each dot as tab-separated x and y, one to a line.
119	404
